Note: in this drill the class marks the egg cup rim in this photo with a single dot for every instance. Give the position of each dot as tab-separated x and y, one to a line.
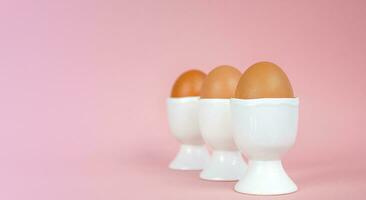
183	99
267	101
215	100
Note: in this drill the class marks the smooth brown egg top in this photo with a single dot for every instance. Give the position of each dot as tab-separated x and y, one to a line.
264	80
188	84
221	83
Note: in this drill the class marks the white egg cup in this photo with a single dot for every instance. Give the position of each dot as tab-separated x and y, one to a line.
264	130
183	122
226	162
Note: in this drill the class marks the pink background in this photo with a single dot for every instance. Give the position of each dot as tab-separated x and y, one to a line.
83	87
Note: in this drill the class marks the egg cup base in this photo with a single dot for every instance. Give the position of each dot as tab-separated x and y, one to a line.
190	157
265	178
224	166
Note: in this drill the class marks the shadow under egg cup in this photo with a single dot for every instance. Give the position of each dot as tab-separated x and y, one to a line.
183	122
264	130
226	162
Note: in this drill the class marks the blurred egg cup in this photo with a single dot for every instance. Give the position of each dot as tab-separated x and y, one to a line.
183	123
226	162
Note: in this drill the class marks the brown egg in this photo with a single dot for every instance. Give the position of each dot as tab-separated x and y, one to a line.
188	84
221	83
264	80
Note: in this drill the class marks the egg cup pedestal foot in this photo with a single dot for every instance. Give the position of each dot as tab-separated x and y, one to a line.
224	166
190	157
264	130
265	178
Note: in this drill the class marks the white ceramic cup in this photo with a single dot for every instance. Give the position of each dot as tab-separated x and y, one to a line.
226	162
183	122
264	130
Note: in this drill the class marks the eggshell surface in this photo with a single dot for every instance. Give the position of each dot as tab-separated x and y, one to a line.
221	83
264	80
188	84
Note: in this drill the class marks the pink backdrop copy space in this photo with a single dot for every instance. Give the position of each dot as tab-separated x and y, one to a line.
84	83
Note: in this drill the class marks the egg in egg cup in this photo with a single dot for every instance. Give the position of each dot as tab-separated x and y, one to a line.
226	162
182	109
265	119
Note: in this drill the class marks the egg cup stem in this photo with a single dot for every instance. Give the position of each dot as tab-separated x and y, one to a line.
224	166
190	157
265	178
